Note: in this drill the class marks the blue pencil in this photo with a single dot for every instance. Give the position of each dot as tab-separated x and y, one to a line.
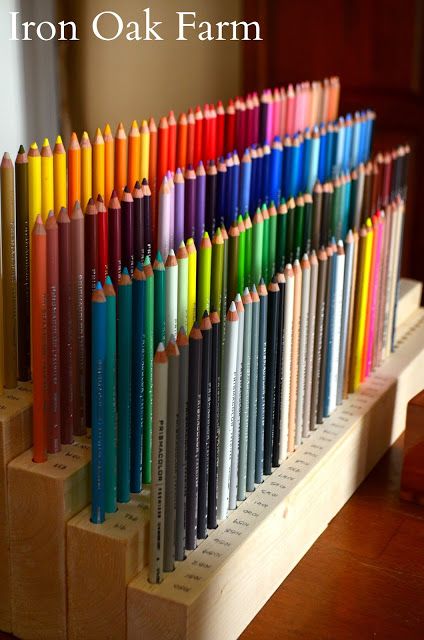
313	165
235	187
253	178
339	151
348	143
221	191
275	170
306	162
330	151
266	172
137	392
228	216
124	384
98	359
245	180
322	162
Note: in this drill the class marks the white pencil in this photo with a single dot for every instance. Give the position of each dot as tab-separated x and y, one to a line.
228	383
338	303
303	345
344	327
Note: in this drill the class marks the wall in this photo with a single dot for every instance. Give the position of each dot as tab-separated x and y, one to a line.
121	80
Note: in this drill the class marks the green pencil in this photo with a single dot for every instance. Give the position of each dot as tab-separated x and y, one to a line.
111	418
124	384
257	246
272	238
290	230
241	254
148	371
335	223
217	267
298	226
204	279
160	300
280	259
224	284
248	250
233	251
307	224
265	246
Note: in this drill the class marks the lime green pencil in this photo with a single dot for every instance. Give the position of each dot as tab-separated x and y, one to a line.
204	280
272	238
217	268
233	250
182	259
281	235
291	206
248	251
257	246
265	249
191	295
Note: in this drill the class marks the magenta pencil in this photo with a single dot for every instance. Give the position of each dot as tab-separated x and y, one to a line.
270	118
276	114
283	113
255	134
249	121
378	230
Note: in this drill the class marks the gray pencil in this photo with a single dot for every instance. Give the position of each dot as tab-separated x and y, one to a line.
245	395
260	420
171	435
303	342
253	398
157	489
237	402
180	491
319	332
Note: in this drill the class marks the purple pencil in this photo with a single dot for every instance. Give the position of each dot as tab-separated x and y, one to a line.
178	208
189	202
138	223
127	231
200	202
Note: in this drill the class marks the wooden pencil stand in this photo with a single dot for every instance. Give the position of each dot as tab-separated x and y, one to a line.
42	498
221	586
15	438
102	559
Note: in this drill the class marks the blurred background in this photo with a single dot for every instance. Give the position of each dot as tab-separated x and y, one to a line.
375	47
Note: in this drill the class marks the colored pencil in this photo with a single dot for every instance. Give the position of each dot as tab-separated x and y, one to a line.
9	272
204	279
53	335
204	434
180	480
86	169
138	196
193	434
271	372
235	436
59	175
98	413
191	291
124	359
109	164
148	372
98	165
39	338
160	304
47	197
78	319
262	364
137	378
23	265
115	243
134	155
111	417
303	344
171	289
287	360
127	231
171	451
74	171
121	160
90	283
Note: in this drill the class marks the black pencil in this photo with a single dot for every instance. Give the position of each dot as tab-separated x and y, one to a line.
319	330
214	418
181	446
279	376
193	433
271	371
211	185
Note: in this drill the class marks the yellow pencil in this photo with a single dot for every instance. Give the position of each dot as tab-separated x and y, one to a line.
34	188
59	175
86	170
109	163
133	155
145	150
98	165
47	199
363	279
191	296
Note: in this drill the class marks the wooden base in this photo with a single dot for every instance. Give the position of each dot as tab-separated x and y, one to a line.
227	579
15	438
42	498
412	481
102	559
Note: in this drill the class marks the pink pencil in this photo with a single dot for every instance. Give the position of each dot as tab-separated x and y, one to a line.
290	111
276	114
283	115
270	118
378	228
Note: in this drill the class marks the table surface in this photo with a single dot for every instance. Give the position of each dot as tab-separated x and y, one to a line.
364	576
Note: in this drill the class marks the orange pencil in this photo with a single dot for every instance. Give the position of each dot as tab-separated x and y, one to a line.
39	339
191	126
120	160
109	163
74	171
98	165
163	145
86	169
198	136
153	156
172	142
182	142
134	151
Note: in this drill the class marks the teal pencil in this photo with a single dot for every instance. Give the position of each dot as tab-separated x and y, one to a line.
111	418
148	372
124	383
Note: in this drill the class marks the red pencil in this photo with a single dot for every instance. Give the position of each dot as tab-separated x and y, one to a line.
53	336
90	277
212	135
220	129
249	121
206	133
230	127
172	142
198	135
256	106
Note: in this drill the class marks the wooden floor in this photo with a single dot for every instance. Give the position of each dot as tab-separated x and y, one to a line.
364	576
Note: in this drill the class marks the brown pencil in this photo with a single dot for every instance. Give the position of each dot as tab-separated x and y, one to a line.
22	261
78	319
65	314
38	328
114	231
9	272
297	271
53	336
90	281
